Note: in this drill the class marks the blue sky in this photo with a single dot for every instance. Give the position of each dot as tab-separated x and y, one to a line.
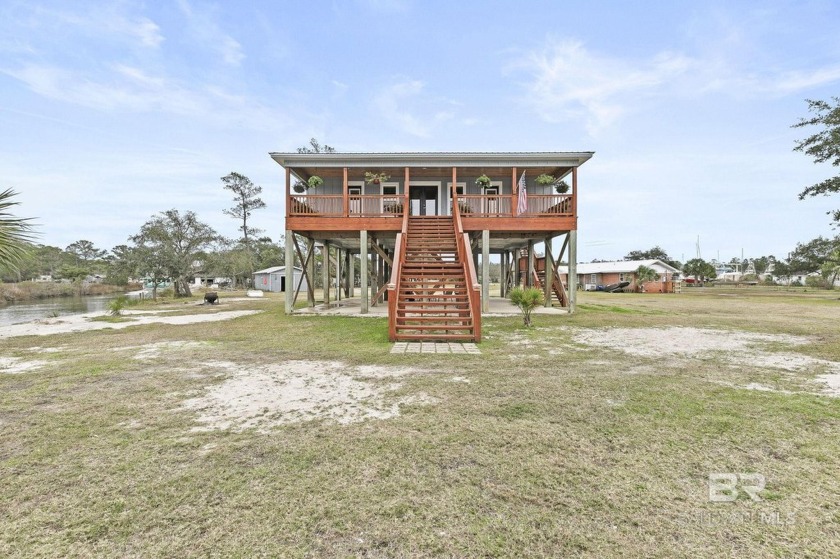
113	111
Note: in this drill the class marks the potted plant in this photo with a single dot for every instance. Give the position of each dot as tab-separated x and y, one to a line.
394	208
560	186
483	181
376	178
314	182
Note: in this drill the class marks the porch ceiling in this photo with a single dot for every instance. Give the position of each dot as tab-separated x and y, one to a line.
427	173
431	166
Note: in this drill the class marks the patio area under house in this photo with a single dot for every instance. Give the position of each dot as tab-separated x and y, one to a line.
424	226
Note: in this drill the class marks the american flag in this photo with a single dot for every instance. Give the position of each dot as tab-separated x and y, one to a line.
522	206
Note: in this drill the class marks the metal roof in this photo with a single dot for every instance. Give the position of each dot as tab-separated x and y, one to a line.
620	266
434	159
274	269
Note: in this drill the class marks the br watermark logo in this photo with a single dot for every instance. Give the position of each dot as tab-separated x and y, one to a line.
724	487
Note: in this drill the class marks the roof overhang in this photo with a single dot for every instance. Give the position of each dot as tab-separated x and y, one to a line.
434	159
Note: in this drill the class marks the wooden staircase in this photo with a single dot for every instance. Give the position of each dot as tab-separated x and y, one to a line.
433	302
558	291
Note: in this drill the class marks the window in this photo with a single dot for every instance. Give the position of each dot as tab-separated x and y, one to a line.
391	203
355	194
593	278
460	190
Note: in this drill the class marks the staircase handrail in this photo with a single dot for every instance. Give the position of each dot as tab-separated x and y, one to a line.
462	241
396	275
560	289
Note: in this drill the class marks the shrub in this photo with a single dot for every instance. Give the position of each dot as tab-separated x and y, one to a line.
817	282
527	300
117	304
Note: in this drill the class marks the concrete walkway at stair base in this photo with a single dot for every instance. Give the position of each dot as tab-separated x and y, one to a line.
435	347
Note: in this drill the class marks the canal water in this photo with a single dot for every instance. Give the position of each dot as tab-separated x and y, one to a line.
15	313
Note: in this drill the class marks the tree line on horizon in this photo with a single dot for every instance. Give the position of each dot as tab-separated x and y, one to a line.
817	255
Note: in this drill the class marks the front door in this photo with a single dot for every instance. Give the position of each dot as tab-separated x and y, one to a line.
423	199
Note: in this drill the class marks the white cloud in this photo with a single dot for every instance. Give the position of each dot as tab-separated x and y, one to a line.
146	30
786	83
568	81
406	105
203	27
107	20
127	88
386	6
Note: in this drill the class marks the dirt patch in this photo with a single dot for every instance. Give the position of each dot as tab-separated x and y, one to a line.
739	349
16	365
38	349
263	396
832	383
683	341
81	323
152	351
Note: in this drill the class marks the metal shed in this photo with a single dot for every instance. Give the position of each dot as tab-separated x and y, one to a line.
274	279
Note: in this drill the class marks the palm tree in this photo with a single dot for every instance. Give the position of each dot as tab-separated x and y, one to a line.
645	274
15	232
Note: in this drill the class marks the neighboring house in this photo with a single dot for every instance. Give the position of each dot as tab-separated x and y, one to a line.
419	223
203	280
594	274
274	279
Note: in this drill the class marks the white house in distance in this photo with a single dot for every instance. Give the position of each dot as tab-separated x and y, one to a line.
274	279
593	274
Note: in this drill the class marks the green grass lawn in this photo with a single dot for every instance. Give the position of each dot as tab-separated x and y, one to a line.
543	445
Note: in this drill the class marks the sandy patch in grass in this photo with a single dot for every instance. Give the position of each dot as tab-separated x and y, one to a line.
16	365
154	350
832	383
741	349
82	322
38	349
263	396
681	341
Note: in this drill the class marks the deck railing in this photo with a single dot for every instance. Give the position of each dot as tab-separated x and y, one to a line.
480	205
391	205
367	205
549	204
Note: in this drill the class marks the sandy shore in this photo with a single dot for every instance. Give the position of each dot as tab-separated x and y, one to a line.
83	322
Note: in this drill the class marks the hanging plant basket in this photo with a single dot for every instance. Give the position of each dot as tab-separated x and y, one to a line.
314	182
561	187
483	181
376	178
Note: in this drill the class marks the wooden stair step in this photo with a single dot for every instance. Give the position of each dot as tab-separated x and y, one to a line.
432	327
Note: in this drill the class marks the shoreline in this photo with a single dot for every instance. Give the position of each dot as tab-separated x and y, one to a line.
29	291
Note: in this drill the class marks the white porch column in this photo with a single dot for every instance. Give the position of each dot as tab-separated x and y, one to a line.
573	278
310	280
549	272
529	274
325	272
363	272
485	270
290	271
